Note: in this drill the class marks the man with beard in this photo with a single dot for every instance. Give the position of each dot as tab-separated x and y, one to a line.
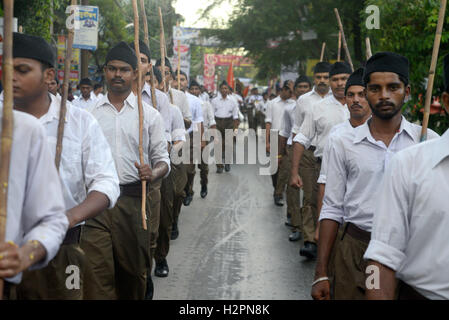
357	162
314	130
409	237
115	242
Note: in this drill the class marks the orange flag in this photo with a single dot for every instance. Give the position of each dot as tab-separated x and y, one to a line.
230	78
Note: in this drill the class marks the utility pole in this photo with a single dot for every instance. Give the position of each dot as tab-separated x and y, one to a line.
84	53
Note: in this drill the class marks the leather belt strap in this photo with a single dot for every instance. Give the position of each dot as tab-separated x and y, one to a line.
312	148
132	189
73	235
357	233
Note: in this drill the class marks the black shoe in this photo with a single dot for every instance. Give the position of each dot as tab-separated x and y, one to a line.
174	232
295	236
309	250
161	269
227	167
150	288
278	201
187	200
219	169
203	192
288	223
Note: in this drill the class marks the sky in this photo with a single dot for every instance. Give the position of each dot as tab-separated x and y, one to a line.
189	9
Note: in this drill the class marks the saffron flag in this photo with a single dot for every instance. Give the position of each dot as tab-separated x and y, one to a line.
230	78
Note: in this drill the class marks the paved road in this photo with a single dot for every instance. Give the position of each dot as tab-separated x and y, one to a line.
234	244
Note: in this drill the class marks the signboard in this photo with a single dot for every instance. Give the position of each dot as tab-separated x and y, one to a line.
86	28
74	65
185	57
192	36
289	72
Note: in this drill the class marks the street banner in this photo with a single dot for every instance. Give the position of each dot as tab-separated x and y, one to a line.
74	65
86	28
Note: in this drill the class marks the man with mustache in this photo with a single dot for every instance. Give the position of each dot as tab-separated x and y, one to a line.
409	237
115	242
314	130
357	162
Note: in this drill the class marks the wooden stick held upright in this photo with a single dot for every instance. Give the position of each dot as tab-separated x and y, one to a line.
322	51
339	46
179	61
65	94
368	48
433	64
7	119
345	45
140	106
162	45
147	42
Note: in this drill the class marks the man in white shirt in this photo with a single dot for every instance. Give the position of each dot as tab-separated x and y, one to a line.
115	242
302	86
86	100
251	102
226	111
273	124
36	223
98	91
209	123
409	235
87	170
356	165
53	87
308	166
261	109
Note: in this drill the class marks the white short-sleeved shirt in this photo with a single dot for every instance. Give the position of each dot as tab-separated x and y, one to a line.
178	130
208	115
35	205
179	98
80	102
318	122
411	220
288	121
163	106
86	160
356	166
275	112
196	109
121	130
225	107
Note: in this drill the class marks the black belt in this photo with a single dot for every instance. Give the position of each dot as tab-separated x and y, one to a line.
72	236
357	233
133	189
218	118
312	148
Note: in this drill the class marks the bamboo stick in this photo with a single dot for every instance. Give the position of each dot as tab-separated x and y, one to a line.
162	40
147	42
139	103
339	46
179	60
433	64
7	119
368	48
65	94
322	51
345	45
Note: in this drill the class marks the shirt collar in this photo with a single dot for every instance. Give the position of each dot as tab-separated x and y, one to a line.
363	131
130	101
334	100
146	88
329	92
54	110
441	149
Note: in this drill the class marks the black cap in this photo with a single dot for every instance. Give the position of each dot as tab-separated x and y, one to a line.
157	74
285	84
85	82
193	83
32	47
124	53
340	67
446	73
387	62
143	48
167	63
302	79
322	67
355	79
224	83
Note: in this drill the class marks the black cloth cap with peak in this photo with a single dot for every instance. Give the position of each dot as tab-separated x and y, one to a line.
355	79
143	48
124	53
322	67
167	63
224	83
340	67
302	79
193	83
32	47
85	82
387	62
446	73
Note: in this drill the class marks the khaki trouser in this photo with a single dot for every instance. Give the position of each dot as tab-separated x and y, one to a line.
118	250
309	171
260	119
349	268
293	196
191	170
49	283
167	212
222	125
280	178
180	181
